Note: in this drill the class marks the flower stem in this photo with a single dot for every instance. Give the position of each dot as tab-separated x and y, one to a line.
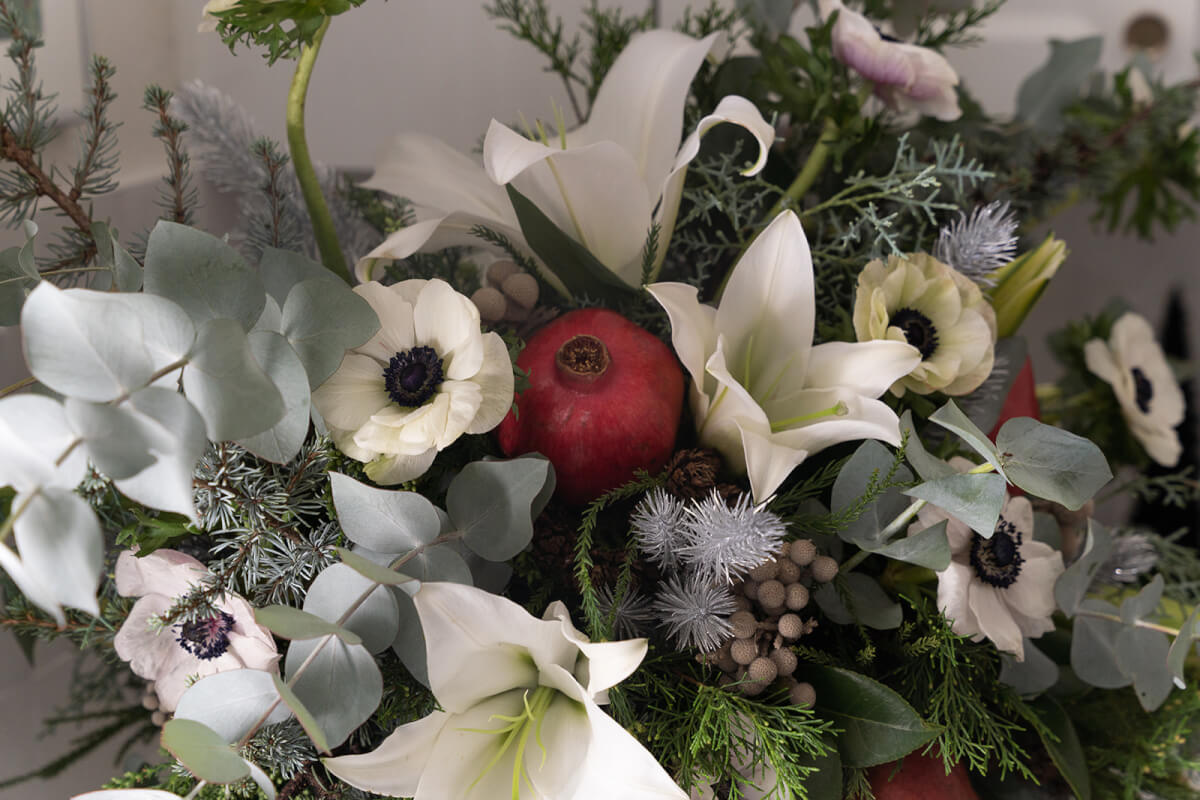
18	386
1141	623
809	172
310	187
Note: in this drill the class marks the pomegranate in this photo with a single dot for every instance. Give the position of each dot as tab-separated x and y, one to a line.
603	401
920	777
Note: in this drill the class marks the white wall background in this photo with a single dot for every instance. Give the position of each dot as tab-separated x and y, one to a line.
441	67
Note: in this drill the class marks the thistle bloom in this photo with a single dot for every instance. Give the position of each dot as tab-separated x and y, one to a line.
919	300
520	715
906	77
427	377
1000	588
761	393
606	183
172	657
1151	401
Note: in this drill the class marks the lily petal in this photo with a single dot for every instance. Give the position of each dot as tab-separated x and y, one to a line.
451	230
608	663
768	461
693	326
461	764
868	368
618	766
394	768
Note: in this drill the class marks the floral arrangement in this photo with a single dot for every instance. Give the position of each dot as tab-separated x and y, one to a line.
684	448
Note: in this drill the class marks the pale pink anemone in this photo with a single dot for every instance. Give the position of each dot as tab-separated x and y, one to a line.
906	77
176	656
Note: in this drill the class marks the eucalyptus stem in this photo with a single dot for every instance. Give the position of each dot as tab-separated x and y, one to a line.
318	210
18	386
1141	623
195	792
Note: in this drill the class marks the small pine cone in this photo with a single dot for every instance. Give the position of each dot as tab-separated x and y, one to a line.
692	474
824	569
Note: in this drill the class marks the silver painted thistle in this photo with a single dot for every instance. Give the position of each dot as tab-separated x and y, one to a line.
978	244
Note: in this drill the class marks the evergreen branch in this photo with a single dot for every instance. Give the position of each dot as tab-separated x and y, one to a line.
179	198
24	157
97	167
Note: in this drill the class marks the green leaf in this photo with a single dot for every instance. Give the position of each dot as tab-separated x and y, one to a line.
1066	752
1144	603
282	270
877	724
369	569
289	622
1094	647
230	703
954	420
261	779
855	597
341	686
382	520
492	502
929	548
18	277
1142	654
176	432
1046	92
826	782
282	442
337	588
1073	584
203	275
228	387
126	271
203	751
115	436
409	644
973	499
1052	463
1034	675
438	563
927	466
303	715
580	271
62	547
99	346
322	319
1182	646
871	461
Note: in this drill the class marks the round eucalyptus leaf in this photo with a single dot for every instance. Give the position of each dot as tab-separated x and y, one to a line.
323	319
203	274
409	643
61	546
289	622
227	385
282	442
282	270
303	715
116	440
1094	648
491	502
438	563
1032	676
341	686
203	751
1142	654
34	434
271	318
177	439
383	520
337	588
231	702
1049	462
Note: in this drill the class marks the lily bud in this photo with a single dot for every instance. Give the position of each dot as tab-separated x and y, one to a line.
1020	282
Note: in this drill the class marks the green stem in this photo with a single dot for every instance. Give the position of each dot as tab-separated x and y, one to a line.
310	187
809	172
1141	623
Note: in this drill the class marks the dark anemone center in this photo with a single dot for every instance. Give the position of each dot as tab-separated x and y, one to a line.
1144	390
997	561
206	638
412	377
918	329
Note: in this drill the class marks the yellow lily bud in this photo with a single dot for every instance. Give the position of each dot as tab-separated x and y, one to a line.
1021	281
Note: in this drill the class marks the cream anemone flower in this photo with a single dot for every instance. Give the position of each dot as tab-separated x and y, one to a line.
919	300
761	393
520	711
605	183
174	657
906	77
1132	362
427	377
999	588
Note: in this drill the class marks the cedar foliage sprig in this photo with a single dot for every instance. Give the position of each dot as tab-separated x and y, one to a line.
178	198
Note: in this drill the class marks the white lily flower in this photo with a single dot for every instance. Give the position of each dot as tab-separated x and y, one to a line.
520	714
761	393
606	183
1132	362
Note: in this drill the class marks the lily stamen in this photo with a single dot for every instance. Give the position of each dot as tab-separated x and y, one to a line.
838	409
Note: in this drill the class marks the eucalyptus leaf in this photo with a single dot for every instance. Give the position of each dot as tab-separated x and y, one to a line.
126	272
927	466
409	644
1144	603
1031	676
126	794
261	779
1094	647
1052	463
282	442
116	439
370	570
1142	654
929	548
203	275
341	686
438	563
176	433
1182	646
322	319
38	447
383	520
18	277
1065	750
283	270
61	546
492	502
858	598
99	346
289	622
271	318
877	724
1073	584
1047	91
303	715
35	590
203	751
954	420
871	461
230	703
227	385
337	588
976	500
580	271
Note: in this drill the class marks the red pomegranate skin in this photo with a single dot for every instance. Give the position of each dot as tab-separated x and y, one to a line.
920	778
596	430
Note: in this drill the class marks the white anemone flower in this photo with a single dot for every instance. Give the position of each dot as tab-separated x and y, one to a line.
428	376
906	77
173	657
761	393
520	711
1132	362
1000	588
605	183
